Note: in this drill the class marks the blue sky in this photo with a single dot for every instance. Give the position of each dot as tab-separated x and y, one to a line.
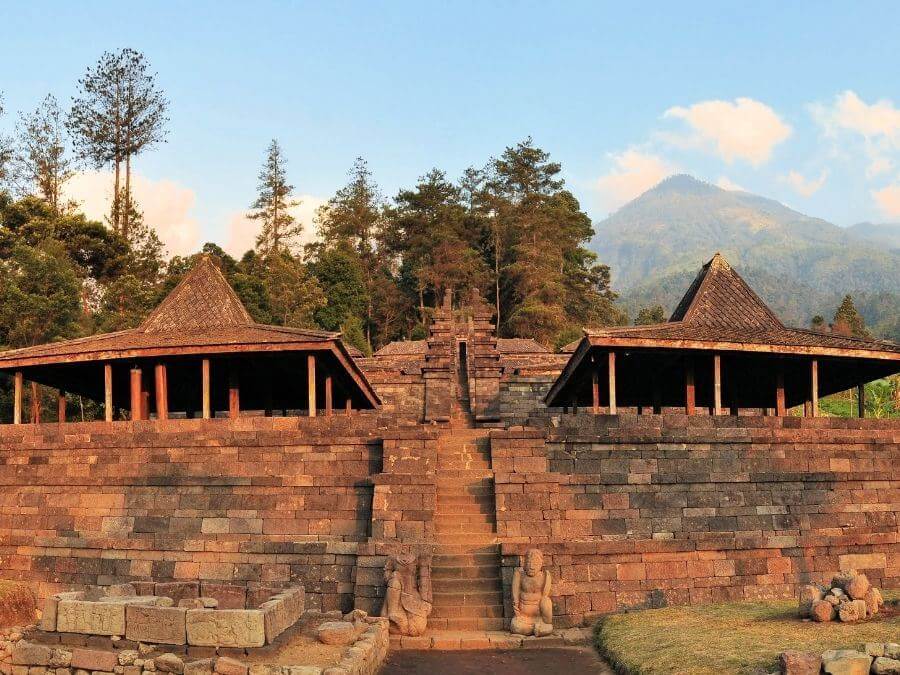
799	101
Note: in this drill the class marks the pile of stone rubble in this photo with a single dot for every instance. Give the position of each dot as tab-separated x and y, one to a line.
850	597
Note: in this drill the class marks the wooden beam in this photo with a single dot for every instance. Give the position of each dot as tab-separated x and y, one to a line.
234	392
108	393
690	392
595	385
18	385
136	403
162	392
207	407
780	408
61	407
814	385
717	384
35	403
861	400
613	410
311	383
328	395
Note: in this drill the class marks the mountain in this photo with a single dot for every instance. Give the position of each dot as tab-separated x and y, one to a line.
885	234
800	265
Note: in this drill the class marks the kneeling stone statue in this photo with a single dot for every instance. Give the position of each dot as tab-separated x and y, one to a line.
532	607
407	599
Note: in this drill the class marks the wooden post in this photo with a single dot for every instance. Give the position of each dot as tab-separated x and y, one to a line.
328	394
234	392
35	403
690	394
717	384
657	396
861	400
311	383
814	377
595	385
18	384
136	403
207	408
613	410
162	392
780	407
348	405
61	407
108	398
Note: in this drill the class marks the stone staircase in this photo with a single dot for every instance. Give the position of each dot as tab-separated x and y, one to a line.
466	566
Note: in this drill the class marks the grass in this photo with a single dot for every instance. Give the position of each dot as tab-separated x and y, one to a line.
742	637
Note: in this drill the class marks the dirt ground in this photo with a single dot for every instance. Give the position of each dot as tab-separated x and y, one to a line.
298	646
572	661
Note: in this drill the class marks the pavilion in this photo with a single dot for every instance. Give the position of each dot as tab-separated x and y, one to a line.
722	351
197	354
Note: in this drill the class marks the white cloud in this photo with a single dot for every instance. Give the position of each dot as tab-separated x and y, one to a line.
166	206
743	129
878	166
726	183
242	231
888	200
635	172
804	186
850	113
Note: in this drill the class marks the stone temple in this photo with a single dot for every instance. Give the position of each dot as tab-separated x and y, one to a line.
650	465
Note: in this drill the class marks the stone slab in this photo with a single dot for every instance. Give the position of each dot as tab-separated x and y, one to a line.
92	618
160	625
225	627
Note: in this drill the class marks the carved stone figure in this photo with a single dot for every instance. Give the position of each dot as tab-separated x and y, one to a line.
407	600
532	606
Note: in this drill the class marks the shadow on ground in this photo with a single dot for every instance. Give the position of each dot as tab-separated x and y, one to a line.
573	661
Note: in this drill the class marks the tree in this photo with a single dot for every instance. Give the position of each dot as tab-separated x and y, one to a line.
650	315
119	112
42	158
817	323
294	295
848	321
6	152
340	276
272	206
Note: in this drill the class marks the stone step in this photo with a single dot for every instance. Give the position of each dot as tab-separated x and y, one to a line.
448	586
464	477
465	623
441	529
486	607
469	539
464	487
464	560
454	517
465	571
465	506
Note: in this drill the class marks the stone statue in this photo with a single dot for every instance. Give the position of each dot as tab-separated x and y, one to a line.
407	600
532	606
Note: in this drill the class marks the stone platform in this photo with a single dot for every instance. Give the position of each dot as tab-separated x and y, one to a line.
481	639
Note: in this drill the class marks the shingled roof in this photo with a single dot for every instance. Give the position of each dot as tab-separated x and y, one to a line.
202	315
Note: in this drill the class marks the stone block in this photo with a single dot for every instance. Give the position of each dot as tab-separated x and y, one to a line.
336	633
225	628
883	665
800	663
199	667
282	611
230	596
169	663
92	618
228	666
94	659
48	618
845	662
162	625
177	590
29	654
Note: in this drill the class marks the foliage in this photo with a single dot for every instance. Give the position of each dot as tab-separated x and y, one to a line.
7	153
272	206
43	162
848	321
744	637
294	295
650	315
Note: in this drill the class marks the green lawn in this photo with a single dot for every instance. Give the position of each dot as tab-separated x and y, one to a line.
741	637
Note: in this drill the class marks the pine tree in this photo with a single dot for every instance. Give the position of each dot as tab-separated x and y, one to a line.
272	206
848	321
7	153
42	158
650	315
119	112
817	323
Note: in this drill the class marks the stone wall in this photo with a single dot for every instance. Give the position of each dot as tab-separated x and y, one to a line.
255	501
639	511
522	396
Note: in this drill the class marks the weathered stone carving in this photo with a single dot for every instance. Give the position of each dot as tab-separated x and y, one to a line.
532	607
407	600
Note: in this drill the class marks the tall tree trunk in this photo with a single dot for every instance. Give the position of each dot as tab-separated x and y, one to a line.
126	213
497	277
116	206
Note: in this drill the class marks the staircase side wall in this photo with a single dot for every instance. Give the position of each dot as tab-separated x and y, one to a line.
646	511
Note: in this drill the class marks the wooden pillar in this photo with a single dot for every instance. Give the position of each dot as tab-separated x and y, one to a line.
18	385
162	392
61	407
780	407
690	392
35	403
108	397
137	408
613	410
717	384
861	400
814	386
207	407
657	396
595	385
234	392
328	395
311	383
348	405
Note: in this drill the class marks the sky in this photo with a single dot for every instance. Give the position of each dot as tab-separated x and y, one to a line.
795	101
